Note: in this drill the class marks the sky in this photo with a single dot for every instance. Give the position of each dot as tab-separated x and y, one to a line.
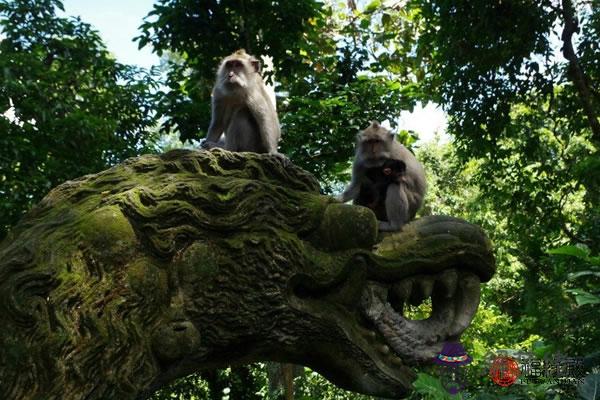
118	22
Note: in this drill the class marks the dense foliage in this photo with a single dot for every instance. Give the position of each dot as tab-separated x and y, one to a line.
518	80
71	109
197	34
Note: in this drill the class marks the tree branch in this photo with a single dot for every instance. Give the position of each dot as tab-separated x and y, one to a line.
575	71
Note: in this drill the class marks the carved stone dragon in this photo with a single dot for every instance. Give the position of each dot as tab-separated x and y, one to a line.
119	282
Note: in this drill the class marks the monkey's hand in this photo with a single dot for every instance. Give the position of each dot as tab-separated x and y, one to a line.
350	193
344	197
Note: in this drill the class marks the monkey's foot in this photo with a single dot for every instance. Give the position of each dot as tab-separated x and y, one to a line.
386	226
207	145
285	160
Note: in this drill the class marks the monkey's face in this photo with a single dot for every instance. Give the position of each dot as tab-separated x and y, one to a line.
235	72
375	144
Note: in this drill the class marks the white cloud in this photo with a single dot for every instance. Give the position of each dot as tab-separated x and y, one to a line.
425	121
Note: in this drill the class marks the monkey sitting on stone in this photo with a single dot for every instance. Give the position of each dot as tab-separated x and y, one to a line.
373	190
242	109
404	187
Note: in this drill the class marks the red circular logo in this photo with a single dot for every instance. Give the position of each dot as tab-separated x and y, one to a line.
504	371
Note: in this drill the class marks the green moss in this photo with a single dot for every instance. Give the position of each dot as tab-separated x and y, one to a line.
108	229
145	277
199	262
346	227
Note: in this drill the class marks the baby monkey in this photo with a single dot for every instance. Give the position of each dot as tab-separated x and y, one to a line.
373	190
386	177
242	108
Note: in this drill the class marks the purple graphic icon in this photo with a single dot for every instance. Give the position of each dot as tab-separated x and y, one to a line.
452	356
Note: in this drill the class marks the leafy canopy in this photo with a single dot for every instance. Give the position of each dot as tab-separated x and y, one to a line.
72	108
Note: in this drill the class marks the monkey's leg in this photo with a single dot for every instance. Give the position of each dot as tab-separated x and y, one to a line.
264	114
396	207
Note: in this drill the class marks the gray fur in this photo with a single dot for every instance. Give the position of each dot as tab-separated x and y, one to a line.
242	110
403	197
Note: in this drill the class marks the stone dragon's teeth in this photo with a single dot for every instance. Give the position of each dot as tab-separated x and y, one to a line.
366	332
448	281
421	289
454	300
383	349
426	286
467	303
396	360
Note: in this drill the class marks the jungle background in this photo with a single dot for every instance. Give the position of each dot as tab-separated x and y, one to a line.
519	81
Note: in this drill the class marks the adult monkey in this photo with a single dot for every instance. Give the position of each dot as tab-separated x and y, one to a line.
242	108
406	185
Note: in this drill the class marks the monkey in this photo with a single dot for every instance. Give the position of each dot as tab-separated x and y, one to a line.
404	186
373	190
242	108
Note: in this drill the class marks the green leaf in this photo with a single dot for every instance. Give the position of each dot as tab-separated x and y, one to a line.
373	6
431	387
582	298
386	20
594	261
574	251
579	274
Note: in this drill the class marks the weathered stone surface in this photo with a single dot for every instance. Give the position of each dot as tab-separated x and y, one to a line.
119	282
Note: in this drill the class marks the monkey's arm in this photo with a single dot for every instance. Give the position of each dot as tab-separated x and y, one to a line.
353	189
217	124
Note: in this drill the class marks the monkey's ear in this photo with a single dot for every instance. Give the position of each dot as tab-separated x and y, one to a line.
375	124
255	65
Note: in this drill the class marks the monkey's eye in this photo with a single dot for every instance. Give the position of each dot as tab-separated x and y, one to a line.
234	64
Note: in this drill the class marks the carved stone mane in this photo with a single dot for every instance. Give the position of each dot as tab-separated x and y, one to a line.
119	282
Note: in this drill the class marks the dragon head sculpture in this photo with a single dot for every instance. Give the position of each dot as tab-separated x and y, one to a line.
119	282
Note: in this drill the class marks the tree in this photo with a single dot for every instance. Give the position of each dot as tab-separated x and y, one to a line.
198	34
523	118
328	88
76	110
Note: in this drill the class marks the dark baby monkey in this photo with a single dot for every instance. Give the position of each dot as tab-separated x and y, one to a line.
373	190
